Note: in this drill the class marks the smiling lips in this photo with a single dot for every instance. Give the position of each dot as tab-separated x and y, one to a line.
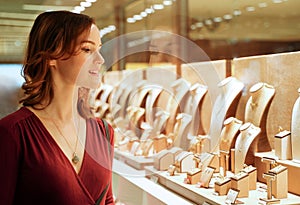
94	72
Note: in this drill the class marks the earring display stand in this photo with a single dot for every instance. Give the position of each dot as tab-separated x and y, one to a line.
224	107
245	145
270	178
181	129
256	111
193	107
295	130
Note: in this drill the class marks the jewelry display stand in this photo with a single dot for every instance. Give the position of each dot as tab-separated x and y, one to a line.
222	186
282	145
175	103
245	146
224	107
161	118
240	182
198	195
181	129
269	178
184	162
256	111
150	103
194	106
193	176
280	184
228	137
295	130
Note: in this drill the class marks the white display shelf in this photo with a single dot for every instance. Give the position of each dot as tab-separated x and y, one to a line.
137	162
207	195
131	187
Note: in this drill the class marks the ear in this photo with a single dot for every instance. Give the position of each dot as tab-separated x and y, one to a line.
52	63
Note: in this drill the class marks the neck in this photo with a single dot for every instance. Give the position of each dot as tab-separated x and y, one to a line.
64	104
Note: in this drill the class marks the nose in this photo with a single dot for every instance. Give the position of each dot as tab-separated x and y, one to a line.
99	59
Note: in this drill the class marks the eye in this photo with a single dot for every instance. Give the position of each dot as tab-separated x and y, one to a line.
87	50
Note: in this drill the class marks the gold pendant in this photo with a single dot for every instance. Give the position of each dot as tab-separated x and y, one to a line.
75	158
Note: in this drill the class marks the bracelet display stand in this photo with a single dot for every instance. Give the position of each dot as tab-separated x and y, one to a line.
224	107
184	162
256	111
245	146
295	130
150	103
180	88
165	158
194	106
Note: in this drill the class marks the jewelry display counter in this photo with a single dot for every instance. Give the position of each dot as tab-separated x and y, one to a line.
131	187
231	137
208	195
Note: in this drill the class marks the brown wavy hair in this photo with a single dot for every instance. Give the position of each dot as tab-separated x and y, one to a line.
54	34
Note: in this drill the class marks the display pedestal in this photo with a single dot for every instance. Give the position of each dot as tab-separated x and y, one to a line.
208	195
137	162
293	170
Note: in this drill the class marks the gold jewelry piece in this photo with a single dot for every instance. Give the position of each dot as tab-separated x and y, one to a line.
75	158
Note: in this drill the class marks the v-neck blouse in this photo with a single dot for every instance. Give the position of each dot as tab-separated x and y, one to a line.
34	170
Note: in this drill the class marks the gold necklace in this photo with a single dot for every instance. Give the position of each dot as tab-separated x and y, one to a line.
75	158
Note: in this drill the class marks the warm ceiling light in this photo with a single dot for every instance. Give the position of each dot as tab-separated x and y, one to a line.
143	14
91	1
137	17
131	20
149	10
85	4
158	6
34	7
199	24
217	19
237	12
79	8
167	2
262	5
227	17
250	8
277	1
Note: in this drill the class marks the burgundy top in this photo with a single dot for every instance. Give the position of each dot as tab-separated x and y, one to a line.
34	170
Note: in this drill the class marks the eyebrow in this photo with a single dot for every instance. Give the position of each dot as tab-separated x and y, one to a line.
91	42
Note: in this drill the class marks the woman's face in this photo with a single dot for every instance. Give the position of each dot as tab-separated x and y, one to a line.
84	68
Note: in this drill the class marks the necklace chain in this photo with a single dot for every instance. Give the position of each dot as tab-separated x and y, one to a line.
75	158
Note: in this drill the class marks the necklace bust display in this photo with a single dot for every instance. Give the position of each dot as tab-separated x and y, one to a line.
256	111
295	130
225	106
193	107
244	145
229	133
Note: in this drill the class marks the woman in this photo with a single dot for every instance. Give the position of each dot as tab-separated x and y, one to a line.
52	150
